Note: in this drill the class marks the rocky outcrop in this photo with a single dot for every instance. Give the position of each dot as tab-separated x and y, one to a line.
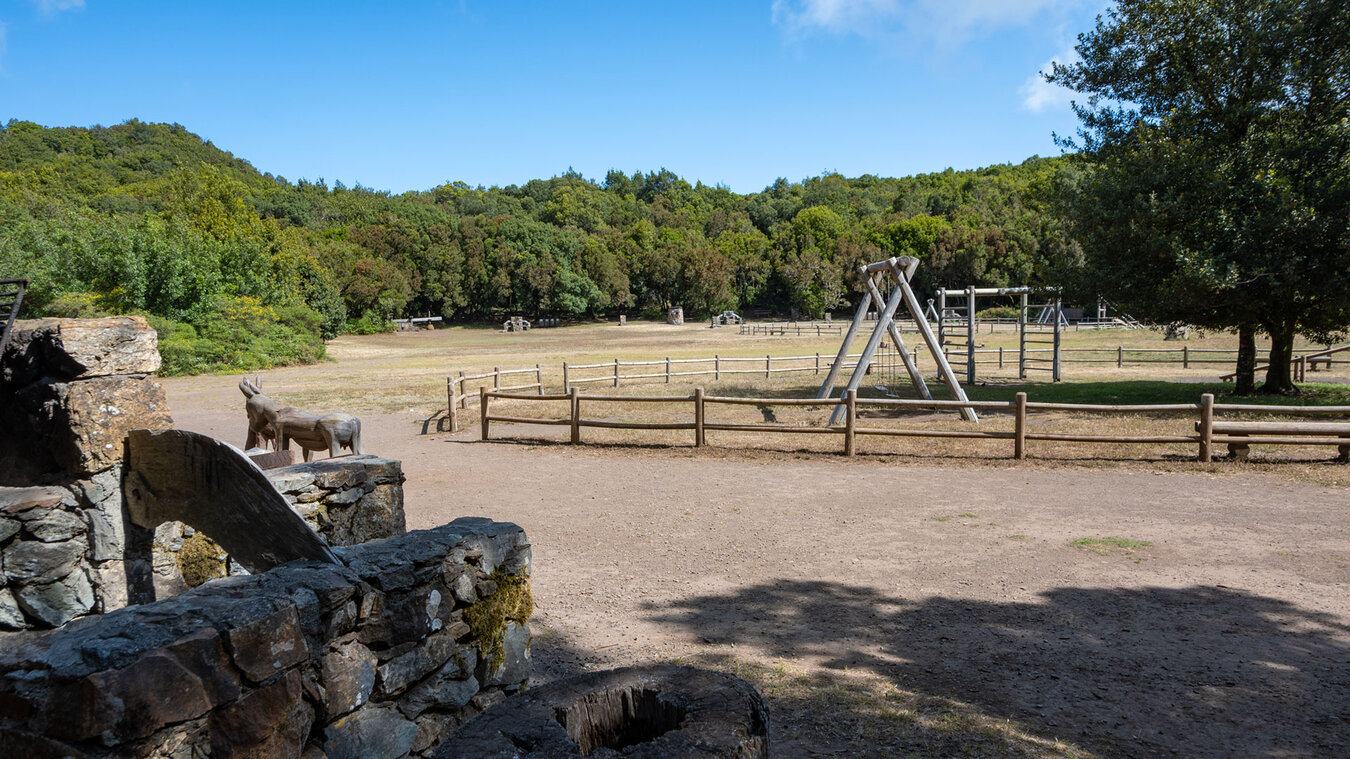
70	391
72	349
376	657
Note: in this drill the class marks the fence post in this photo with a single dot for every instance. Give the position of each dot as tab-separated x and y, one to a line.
698	417
1000	353
1206	427
463	399
1185	357
483	409
539	378
616	372
1302	368
450	402
575	400
766	367
817	362
1120	356
717	367
1020	426
667	370
496	377
567	378
850	419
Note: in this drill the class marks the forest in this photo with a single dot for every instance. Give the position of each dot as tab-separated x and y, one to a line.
240	269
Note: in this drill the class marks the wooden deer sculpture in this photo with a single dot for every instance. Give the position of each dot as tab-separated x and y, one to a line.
331	432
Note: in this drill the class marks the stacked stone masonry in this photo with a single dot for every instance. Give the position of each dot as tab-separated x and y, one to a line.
69	392
346	500
382	657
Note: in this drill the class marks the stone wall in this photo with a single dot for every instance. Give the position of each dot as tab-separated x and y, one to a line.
346	500
69	392
381	657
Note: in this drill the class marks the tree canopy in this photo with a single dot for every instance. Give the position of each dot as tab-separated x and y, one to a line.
1213	181
150	218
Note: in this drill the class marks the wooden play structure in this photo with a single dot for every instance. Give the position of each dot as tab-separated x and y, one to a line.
950	316
900	271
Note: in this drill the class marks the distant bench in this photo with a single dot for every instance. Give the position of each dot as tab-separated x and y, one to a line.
1240	436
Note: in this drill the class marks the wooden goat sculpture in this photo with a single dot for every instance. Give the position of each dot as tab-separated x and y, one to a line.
311	432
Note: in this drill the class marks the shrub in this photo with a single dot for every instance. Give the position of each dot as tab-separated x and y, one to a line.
240	334
370	323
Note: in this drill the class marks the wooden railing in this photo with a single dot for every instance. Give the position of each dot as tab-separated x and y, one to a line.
1205	438
462	389
1300	363
459	392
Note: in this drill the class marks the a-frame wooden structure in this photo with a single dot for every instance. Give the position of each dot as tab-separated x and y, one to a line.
901	270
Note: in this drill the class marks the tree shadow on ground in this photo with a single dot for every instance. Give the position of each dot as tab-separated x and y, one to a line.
827	714
1201	671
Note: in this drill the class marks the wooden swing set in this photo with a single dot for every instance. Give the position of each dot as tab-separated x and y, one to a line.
901	271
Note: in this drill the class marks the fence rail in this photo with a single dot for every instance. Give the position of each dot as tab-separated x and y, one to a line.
1204	439
462	389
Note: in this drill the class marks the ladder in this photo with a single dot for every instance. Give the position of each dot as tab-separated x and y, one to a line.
11	298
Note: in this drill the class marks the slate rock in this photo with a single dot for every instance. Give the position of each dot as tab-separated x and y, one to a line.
15	501
128	703
85	423
80	348
272	721
514	665
55	525
348	676
449	688
372	733
462	588
401	671
8	528
107	534
10	616
268	645
291	479
38	562
56	603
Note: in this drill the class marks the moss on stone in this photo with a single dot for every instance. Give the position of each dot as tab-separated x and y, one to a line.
487	619
200	559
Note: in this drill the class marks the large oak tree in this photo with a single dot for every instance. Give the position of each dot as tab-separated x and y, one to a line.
1215	155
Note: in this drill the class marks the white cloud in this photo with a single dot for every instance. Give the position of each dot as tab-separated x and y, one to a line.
939	20
1039	95
835	16
53	7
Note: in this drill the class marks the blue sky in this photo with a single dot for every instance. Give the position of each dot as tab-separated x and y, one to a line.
408	95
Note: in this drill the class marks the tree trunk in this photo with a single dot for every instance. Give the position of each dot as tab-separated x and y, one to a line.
1246	361
1279	381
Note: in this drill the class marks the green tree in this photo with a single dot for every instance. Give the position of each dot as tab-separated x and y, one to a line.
1215	167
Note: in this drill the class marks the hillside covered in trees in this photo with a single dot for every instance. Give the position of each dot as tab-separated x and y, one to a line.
240	269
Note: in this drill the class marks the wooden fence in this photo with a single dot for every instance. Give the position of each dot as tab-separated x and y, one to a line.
463	388
1205	438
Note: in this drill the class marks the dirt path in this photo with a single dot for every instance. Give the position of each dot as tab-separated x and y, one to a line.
895	610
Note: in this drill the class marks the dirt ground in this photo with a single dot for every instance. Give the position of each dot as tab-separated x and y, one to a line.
912	609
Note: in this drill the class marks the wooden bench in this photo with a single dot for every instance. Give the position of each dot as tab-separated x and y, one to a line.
1240	436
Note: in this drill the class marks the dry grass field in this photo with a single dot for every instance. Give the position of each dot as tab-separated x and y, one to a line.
925	598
